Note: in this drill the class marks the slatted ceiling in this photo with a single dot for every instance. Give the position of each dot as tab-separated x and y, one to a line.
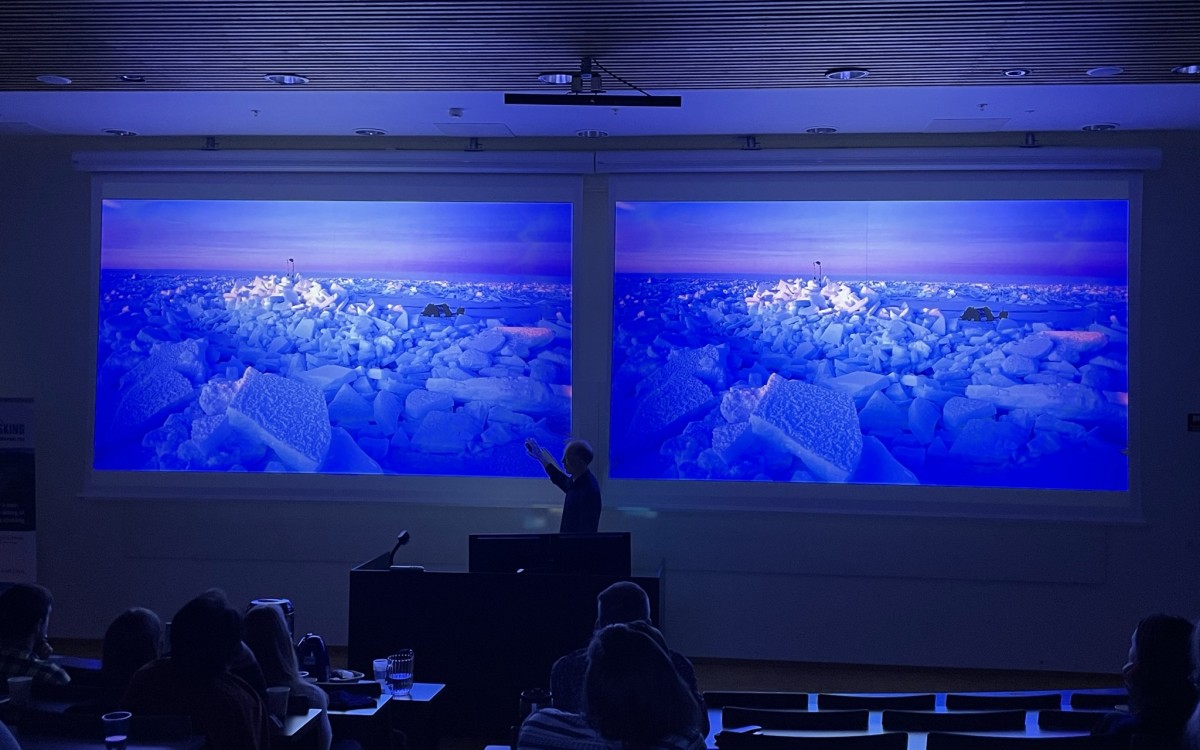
501	45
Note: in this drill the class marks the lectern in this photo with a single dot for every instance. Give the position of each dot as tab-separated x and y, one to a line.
487	636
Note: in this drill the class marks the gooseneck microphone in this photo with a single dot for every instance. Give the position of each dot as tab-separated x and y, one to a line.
401	540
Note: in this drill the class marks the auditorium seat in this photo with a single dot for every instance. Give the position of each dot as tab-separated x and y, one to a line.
1070	721
1027	701
767	718
951	741
959	721
908	701
756	699
884	741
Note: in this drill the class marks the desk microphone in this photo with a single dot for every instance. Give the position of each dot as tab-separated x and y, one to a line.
401	540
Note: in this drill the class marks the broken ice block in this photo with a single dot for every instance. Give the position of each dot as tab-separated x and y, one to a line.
959	410
289	416
879	466
444	432
345	457
349	409
1062	400
816	424
151	397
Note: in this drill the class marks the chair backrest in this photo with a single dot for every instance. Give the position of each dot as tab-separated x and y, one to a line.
950	741
884	741
1068	721
770	718
907	701
756	699
1027	701
1099	700
959	721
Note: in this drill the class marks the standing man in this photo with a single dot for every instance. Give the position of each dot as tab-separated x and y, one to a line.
581	502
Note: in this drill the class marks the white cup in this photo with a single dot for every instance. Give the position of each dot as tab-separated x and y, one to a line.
19	690
277	700
380	667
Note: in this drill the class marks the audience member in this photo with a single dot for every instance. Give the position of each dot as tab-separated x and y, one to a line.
1158	675
133	640
622	602
24	623
634	699
206	637
268	637
1192	740
7	741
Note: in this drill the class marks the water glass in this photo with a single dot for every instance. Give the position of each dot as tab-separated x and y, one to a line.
400	672
380	667
116	729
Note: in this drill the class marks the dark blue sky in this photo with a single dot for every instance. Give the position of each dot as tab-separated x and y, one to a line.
1004	241
352	238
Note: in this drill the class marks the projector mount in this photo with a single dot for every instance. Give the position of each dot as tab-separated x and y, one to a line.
587	88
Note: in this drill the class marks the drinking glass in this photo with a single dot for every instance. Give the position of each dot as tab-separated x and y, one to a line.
400	672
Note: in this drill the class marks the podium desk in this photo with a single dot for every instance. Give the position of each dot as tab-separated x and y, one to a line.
486	636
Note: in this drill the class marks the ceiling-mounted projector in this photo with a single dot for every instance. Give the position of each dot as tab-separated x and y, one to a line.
598	100
587	89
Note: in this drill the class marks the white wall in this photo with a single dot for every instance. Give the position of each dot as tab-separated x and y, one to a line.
854	589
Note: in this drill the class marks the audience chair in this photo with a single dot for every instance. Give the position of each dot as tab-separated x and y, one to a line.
1068	721
960	721
1026	701
950	741
767	718
906	701
1099	700
756	699
884	741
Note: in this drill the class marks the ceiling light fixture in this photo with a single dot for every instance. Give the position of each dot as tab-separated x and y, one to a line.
286	79
1016	72
118	132
1100	127
556	79
591	133
1187	70
847	74
131	79
54	80
370	131
1106	71
821	130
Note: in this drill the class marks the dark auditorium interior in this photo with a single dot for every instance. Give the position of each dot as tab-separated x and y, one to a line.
817	584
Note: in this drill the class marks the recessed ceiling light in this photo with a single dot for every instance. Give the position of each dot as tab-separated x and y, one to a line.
847	74
820	130
286	79
1106	71
370	131
1100	127
54	80
1016	72
132	79
591	133
1187	70
557	78
118	131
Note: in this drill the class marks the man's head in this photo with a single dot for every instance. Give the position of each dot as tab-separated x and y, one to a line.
577	456
24	614
622	602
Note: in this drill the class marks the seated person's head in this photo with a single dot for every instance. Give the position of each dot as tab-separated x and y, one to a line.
622	602
577	456
1158	673
632	692
132	640
24	615
268	637
206	635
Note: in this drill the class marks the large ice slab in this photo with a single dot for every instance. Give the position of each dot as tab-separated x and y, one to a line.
816	424
519	394
1062	400
148	399
289	416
